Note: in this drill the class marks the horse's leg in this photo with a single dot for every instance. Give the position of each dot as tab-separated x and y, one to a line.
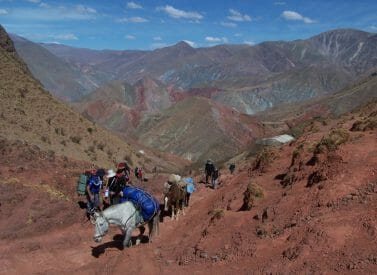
127	237
142	230
151	230
172	211
157	222
166	204
178	210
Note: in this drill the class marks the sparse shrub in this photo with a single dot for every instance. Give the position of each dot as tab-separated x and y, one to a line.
332	141
57	131
90	130
76	139
63	142
261	232
217	214
109	153
252	192
263	160
101	146
316	177
45	139
365	125
357	126
48	120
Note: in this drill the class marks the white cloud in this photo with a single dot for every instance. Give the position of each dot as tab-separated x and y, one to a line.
176	13
68	36
192	44
133	5
34	1
280	3
157	38
53	14
136	19
44	5
295	16
3	12
228	24
250	43
211	39
130	37
85	10
238	17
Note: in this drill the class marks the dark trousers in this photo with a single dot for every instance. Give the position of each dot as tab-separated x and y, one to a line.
207	177
187	198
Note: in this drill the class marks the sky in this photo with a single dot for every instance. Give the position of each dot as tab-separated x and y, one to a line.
147	25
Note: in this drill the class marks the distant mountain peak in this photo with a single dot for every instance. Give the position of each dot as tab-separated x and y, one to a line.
183	44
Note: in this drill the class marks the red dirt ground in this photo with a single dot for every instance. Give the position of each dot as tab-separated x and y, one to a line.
329	227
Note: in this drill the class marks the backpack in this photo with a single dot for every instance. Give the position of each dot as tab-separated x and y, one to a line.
81	184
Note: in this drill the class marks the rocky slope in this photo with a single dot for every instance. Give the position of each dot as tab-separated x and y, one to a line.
313	207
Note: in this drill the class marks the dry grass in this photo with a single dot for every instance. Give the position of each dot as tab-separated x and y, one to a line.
332	141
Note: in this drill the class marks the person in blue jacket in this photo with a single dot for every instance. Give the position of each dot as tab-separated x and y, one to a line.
93	190
190	188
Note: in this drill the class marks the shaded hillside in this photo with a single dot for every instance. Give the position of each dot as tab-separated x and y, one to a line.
64	80
30	115
197	128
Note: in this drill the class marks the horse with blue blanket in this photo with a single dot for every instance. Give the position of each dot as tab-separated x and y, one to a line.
138	209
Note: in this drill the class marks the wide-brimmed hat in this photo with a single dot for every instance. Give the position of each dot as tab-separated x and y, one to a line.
110	173
174	178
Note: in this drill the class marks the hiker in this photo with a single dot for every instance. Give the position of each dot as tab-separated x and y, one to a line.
208	169
93	189
140	174
215	177
117	184
232	167
124	166
190	188
110	174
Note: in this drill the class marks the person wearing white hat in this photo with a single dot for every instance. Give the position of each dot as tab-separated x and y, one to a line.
110	174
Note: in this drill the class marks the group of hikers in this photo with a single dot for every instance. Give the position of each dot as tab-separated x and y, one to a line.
116	187
111	184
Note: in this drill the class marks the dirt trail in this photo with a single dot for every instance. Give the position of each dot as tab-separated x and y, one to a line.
329	226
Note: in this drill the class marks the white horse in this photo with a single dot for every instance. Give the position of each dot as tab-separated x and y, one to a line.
127	217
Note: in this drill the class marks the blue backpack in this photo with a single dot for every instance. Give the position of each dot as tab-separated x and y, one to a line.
148	205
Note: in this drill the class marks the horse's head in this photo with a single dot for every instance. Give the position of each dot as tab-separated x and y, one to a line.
101	226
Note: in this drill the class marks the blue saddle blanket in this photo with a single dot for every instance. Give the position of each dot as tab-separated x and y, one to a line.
146	203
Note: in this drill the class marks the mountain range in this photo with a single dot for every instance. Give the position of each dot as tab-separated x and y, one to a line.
131	92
